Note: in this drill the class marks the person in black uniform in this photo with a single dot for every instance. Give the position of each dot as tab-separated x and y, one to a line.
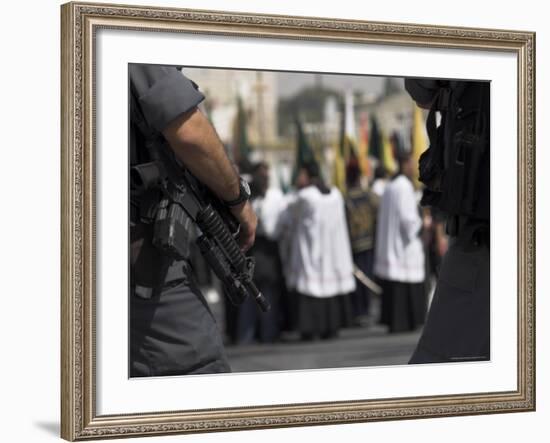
251	324
172	330
456	172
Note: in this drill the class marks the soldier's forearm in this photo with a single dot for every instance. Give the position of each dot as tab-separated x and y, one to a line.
199	148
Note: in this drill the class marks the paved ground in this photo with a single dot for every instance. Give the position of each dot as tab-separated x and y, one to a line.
359	346
354	347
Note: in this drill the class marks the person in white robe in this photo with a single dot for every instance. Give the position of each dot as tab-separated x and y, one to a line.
317	256
399	253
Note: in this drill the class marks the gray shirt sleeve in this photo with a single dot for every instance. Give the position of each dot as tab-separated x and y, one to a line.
163	93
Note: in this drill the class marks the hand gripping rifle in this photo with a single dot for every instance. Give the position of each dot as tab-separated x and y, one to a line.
184	198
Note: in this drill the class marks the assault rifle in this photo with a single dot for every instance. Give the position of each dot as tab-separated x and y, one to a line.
184	198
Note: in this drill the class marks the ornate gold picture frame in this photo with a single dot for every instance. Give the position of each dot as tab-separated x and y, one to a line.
80	23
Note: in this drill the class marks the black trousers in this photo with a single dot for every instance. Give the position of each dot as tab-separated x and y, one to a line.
253	324
458	324
174	332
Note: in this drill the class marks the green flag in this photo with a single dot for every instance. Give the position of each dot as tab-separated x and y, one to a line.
241	146
375	140
304	152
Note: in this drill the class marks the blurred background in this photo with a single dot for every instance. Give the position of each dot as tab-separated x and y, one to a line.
319	151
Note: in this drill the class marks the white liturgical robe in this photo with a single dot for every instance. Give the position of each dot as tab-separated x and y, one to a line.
317	256
399	255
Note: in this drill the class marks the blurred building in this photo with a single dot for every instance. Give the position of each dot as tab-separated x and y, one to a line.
258	93
394	112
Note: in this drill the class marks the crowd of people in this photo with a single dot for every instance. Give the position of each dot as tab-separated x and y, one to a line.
321	257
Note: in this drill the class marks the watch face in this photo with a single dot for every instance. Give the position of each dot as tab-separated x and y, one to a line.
246	187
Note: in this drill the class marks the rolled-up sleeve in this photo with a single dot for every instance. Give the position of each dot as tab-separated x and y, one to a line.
163	93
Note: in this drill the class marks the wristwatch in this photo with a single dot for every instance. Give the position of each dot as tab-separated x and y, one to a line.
244	194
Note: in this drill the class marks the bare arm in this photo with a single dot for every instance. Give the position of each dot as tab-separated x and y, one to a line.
198	147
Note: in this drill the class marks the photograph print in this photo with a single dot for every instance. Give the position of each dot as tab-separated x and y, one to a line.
299	220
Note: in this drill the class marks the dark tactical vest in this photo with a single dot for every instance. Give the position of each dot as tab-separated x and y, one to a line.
150	267
456	166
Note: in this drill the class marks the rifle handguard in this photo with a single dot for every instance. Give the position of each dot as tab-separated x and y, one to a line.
211	224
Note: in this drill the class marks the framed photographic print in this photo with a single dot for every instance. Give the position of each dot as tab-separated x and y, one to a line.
277	221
